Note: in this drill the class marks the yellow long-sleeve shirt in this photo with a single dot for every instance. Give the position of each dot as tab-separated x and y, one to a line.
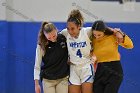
106	48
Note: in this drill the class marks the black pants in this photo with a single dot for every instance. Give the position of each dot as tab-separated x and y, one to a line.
108	77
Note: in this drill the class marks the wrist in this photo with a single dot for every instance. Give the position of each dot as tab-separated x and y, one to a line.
36	82
122	33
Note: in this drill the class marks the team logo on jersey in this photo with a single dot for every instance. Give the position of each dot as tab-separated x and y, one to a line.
63	44
49	47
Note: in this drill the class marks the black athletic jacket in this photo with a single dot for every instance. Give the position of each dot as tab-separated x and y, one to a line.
55	60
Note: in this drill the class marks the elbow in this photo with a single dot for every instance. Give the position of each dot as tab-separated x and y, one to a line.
131	46
128	46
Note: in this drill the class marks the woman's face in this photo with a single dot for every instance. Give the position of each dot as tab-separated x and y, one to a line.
51	36
73	29
98	34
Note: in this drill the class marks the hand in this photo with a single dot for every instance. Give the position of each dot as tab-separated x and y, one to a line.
68	62
119	35
37	88
94	59
94	62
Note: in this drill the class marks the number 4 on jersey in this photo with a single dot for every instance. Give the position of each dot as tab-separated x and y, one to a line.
79	53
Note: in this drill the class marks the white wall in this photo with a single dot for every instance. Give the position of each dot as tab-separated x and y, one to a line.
2	10
58	10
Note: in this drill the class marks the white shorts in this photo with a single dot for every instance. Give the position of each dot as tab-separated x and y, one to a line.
81	73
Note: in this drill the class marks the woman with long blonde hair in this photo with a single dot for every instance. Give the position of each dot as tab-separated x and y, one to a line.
52	51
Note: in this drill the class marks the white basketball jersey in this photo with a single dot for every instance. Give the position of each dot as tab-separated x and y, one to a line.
79	48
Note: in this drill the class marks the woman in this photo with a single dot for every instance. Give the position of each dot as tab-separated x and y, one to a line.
79	47
109	73
52	50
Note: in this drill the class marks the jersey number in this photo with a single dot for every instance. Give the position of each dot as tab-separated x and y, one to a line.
79	53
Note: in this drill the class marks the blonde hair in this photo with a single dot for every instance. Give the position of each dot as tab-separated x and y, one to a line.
46	27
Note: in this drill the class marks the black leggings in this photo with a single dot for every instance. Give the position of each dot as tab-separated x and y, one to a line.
108	77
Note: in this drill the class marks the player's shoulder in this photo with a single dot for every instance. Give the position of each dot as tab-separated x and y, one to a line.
86	31
64	32
86	28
